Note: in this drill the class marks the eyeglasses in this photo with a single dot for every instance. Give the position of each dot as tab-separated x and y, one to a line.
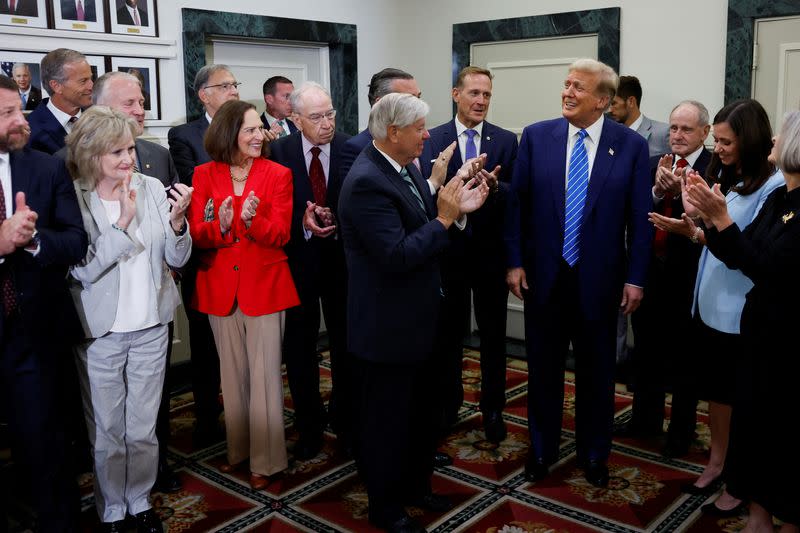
225	86
316	118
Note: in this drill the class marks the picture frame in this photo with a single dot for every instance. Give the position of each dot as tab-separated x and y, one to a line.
133	17
147	68
27	13
79	15
11	59
98	64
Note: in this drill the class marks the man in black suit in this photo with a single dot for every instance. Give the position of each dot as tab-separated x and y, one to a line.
71	10
277	92
661	325
388	80
214	85
131	13
23	8
475	261
30	95
68	78
41	234
316	259
394	232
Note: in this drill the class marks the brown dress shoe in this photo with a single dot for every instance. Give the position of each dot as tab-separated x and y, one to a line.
258	482
227	468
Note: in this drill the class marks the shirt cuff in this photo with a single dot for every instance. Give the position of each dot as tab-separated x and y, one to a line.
461	223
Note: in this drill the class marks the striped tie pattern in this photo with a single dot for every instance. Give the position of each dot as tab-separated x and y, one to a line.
577	185
407	178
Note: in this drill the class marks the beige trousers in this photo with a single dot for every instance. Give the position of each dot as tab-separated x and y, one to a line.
250	368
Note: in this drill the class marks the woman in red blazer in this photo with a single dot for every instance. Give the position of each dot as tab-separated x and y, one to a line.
240	217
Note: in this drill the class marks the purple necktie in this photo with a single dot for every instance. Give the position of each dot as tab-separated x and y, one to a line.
81	14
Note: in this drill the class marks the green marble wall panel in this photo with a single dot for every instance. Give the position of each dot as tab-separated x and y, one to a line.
200	25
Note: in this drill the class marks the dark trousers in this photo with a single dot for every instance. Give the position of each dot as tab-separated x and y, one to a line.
300	351
664	357
397	435
36	423
548	331
204	358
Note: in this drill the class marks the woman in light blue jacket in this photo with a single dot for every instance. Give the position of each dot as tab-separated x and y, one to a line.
125	298
742	144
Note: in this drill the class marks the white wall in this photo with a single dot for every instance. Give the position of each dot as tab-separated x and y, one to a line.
676	48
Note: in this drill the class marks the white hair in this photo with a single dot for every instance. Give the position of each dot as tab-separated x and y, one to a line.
395	109
296	98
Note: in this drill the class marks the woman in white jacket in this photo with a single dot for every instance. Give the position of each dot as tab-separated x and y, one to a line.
125	298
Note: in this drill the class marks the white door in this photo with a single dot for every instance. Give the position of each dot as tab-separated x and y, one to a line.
254	62
776	68
528	76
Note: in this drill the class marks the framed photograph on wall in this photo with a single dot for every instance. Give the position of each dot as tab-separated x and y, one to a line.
79	15
23	67
133	17
146	70
26	13
98	64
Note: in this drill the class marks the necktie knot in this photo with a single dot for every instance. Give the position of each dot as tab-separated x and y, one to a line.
681	163
315	151
582	135
73	120
471	134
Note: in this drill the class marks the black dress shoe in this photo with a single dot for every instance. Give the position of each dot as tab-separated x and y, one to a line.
441	459
406	524
708	490
148	522
596	473
713	510
435	503
536	470
207	434
166	480
113	527
494	426
307	448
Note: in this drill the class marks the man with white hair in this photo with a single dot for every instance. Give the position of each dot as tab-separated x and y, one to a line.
580	182
394	231
316	260
28	93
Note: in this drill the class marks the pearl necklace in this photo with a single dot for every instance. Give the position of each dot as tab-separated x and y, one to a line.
240	179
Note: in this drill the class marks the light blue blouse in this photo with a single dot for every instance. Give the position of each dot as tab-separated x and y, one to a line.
719	291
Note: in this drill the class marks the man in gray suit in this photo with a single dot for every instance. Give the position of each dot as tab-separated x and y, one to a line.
625	110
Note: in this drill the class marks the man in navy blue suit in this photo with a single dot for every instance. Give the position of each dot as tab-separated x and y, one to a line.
41	234
388	80
214	85
316	259
475	261
67	77
394	232
69	10
277	91
580	182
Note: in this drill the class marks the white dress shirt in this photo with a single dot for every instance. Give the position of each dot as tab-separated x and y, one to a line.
462	138
61	117
591	142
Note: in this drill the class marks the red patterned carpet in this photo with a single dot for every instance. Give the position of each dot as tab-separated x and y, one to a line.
486	482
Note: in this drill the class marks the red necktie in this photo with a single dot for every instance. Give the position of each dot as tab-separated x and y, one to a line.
12	4
317	176
660	243
6	281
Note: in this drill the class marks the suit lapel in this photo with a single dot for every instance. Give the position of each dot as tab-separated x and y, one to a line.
397	181
448	136
603	162
556	167
19	180
423	189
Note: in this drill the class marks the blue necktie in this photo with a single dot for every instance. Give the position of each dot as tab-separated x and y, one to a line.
577	184
407	178
24	99
470	150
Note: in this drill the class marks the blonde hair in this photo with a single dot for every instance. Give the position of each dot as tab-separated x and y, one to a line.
609	81
99	129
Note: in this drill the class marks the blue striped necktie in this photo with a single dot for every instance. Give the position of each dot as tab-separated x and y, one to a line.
577	185
407	178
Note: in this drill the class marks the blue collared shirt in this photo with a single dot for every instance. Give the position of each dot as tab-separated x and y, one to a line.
719	292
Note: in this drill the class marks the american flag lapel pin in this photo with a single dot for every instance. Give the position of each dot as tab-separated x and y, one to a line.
610	151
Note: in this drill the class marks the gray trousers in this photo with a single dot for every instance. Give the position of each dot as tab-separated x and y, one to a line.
121	376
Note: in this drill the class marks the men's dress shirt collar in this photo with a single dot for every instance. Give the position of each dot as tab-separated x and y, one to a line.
27	93
208	117
637	123
395	165
460	128
61	117
131	10
691	158
593	131
308	145
271	120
